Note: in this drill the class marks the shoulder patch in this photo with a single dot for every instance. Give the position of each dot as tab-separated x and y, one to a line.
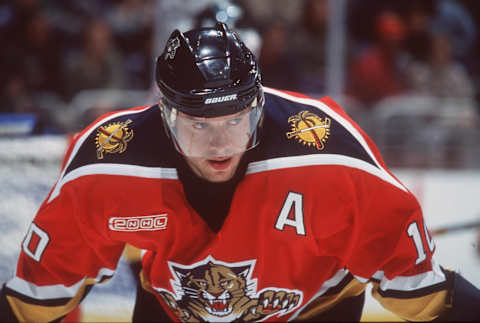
113	138
309	129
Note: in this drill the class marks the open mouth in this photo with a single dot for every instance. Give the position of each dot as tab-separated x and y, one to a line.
220	163
219	307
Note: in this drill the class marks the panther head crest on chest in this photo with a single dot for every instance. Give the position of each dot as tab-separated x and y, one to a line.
217	291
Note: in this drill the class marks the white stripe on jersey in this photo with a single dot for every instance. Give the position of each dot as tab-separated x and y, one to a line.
345	123
409	283
53	291
399	283
114	169
332	282
321	159
278	163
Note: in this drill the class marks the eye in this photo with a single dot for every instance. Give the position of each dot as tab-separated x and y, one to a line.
201	283
199	125
234	121
225	283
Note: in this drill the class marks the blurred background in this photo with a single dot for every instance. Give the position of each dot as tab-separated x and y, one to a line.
407	71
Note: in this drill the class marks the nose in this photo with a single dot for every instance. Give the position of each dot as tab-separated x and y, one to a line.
219	142
216	295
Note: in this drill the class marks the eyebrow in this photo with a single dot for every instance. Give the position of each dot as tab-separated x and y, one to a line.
203	119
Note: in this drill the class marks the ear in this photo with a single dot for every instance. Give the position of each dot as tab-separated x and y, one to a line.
179	272
242	271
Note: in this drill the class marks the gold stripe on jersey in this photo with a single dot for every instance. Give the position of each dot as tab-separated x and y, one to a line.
132	254
328	300
145	283
420	308
27	312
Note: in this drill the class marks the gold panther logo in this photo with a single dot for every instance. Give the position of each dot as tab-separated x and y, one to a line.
212	290
113	138
309	129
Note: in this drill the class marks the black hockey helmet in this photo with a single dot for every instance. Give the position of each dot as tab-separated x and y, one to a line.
209	73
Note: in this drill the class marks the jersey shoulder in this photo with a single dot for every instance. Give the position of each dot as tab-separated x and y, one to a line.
296	125
128	137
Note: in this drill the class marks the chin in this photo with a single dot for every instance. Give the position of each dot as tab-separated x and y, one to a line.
215	170
219	178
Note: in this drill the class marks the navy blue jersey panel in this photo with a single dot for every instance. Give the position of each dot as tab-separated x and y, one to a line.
279	140
142	142
138	138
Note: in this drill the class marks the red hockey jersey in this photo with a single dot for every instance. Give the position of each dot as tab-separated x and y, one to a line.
316	217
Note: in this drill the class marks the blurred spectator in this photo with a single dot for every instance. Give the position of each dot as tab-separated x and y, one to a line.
30	64
235	14
220	11
473	63
277	63
131	16
89	8
132	26
41	54
441	75
362	16
451	17
71	18
377	71
308	43
14	14
418	16
98	64
15	97
268	10
32	52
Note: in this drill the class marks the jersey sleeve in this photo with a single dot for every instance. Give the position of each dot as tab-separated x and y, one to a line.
376	228
395	252
389	243
65	251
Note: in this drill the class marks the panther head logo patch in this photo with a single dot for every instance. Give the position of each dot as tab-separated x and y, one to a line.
309	129
213	290
113	138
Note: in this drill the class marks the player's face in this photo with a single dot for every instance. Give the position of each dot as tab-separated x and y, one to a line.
213	137
215	145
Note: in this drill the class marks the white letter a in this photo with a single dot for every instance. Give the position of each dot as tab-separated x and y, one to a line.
297	221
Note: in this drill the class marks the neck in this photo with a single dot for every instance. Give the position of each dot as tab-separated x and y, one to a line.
210	200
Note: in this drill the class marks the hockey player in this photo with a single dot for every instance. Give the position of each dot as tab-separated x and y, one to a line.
249	204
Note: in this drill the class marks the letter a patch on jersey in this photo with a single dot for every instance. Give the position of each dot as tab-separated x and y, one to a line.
293	205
